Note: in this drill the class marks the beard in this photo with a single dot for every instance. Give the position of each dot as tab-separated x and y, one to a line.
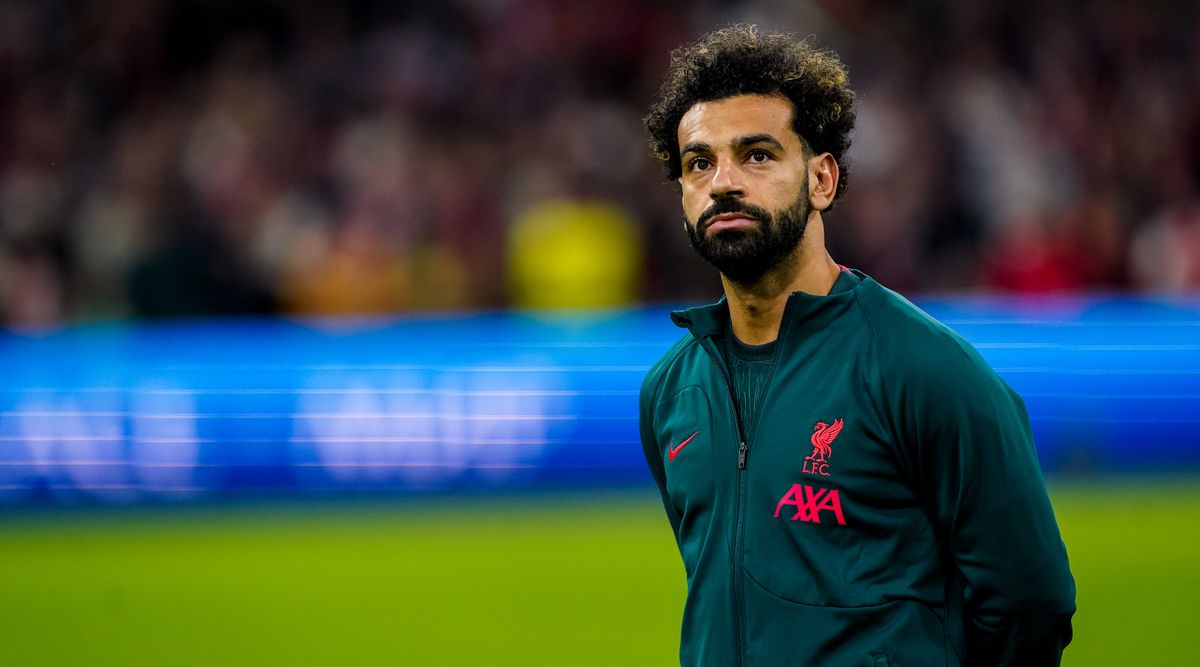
746	255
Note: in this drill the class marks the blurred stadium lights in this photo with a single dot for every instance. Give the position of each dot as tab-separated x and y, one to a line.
151	412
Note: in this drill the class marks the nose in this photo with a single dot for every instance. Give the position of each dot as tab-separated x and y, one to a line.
726	182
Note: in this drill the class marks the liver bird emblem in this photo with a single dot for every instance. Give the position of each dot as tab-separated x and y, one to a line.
822	437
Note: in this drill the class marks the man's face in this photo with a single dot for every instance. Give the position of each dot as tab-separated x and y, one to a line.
744	183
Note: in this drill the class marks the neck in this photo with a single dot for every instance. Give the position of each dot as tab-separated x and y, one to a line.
756	309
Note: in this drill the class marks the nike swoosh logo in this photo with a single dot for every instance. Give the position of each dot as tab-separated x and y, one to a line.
675	450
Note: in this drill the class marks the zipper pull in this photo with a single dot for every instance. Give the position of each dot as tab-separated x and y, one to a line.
742	455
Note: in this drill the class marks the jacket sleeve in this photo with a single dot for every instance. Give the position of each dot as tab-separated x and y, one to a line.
970	446
650	447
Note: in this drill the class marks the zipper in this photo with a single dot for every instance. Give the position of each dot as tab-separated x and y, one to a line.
739	602
739	537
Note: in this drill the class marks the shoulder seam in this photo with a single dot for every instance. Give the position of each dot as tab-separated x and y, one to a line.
660	367
877	358
866	312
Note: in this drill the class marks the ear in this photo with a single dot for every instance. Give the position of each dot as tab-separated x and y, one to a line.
823	174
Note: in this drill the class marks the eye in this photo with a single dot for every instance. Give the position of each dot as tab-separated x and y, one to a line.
698	164
758	156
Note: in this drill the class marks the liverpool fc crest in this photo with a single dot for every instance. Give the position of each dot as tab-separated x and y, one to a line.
822	438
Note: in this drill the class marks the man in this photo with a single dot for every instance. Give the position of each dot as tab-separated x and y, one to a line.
849	483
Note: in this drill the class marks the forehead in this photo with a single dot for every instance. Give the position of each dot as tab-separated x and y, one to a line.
720	122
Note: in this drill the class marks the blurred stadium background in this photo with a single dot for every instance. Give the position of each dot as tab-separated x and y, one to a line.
324	322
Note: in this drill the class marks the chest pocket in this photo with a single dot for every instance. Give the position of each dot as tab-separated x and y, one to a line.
684	429
829	513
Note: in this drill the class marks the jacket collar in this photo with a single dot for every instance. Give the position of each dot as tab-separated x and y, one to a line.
709	320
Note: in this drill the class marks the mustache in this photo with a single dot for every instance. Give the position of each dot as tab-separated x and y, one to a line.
729	204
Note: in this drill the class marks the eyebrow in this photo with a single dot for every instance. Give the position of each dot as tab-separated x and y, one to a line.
745	142
738	143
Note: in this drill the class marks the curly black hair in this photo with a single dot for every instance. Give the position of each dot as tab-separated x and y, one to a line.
739	61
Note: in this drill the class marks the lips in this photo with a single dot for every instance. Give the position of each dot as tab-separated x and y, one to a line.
728	221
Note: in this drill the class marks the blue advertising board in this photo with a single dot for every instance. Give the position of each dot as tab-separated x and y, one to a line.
189	410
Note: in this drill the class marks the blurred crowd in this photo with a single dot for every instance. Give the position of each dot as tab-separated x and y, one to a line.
167	158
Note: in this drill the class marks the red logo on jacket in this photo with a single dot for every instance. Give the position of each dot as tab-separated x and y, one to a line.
810	501
822	437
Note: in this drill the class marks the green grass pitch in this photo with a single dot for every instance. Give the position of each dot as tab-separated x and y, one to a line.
578	579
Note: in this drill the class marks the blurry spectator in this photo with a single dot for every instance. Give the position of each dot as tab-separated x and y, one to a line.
31	288
574	254
1166	250
193	157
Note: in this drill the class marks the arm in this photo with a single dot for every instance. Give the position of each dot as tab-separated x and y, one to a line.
650	447
977	468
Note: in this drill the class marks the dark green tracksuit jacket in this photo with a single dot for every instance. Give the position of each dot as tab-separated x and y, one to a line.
888	510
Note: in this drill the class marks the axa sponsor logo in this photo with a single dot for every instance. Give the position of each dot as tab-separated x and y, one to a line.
809	502
822	439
